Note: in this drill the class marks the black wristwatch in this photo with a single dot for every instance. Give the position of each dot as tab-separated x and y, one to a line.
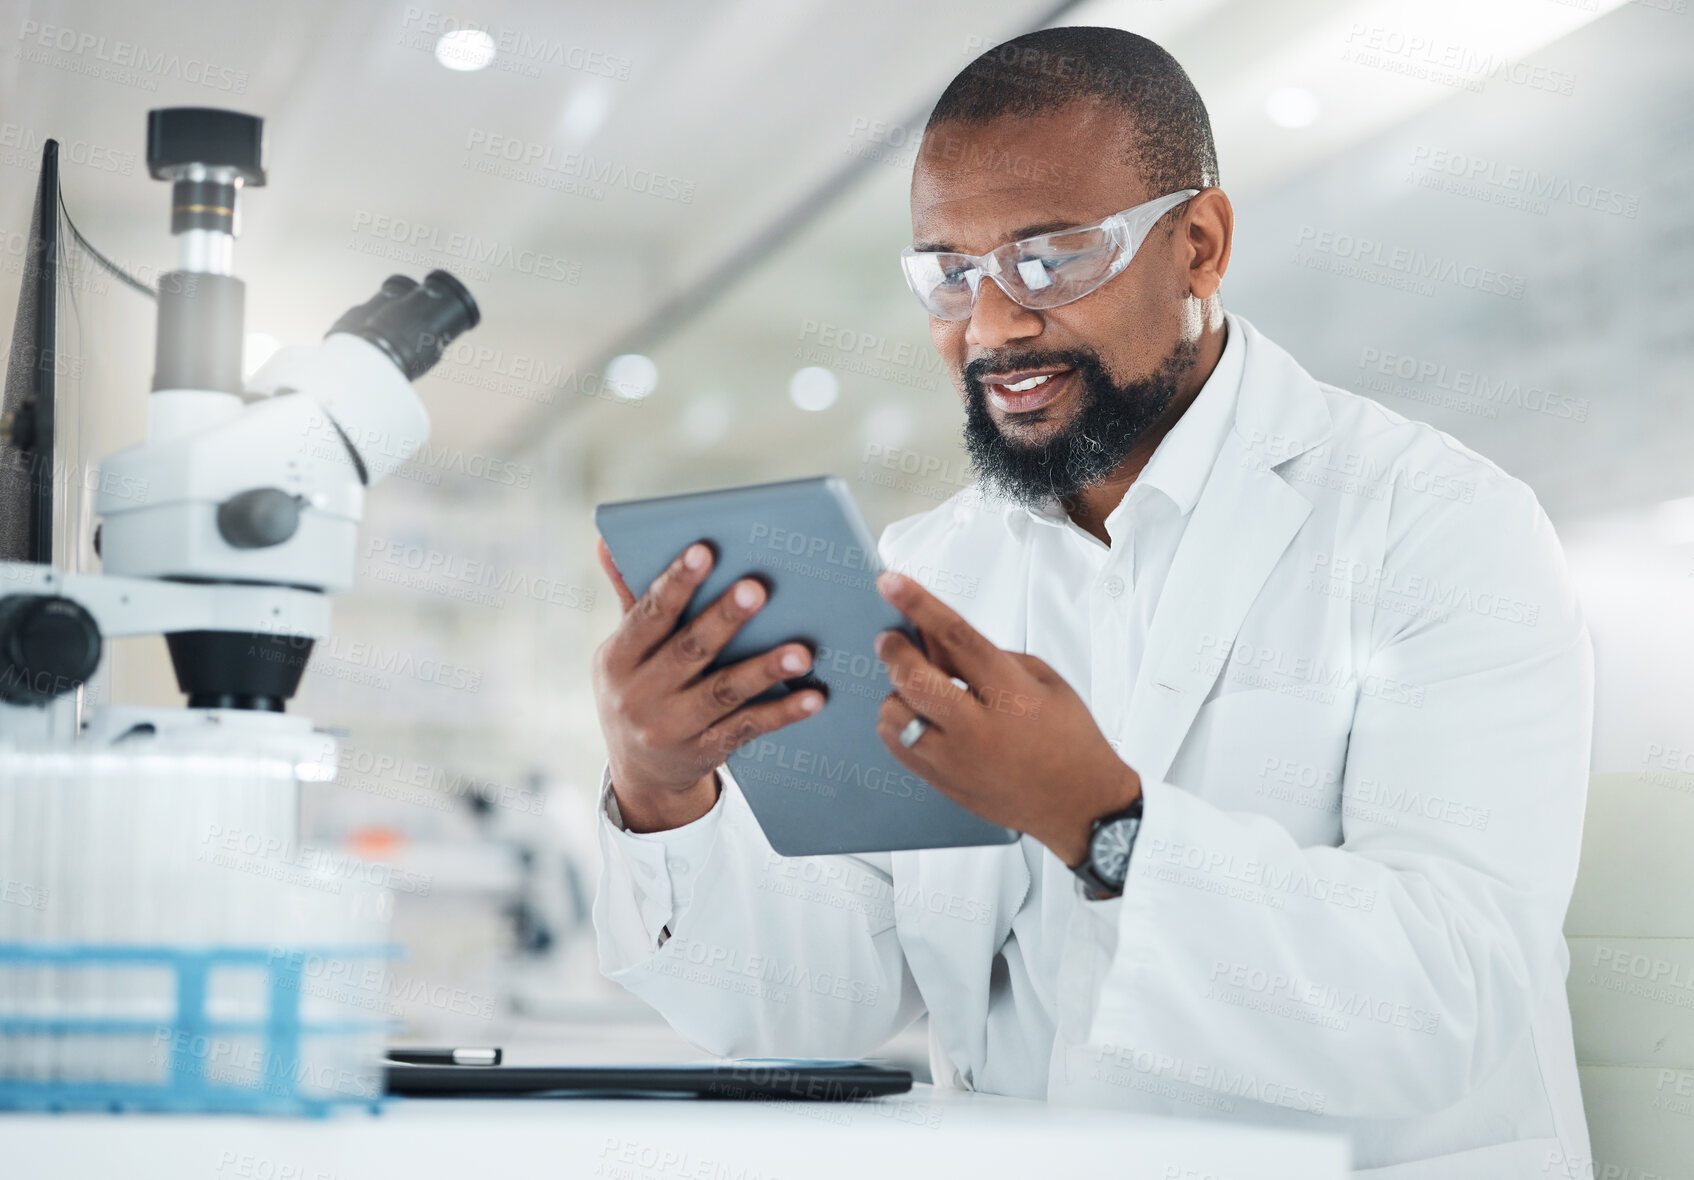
1110	841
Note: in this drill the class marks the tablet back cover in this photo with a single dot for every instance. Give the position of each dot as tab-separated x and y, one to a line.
826	784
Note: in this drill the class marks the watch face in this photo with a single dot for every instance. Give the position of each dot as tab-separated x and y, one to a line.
1109	852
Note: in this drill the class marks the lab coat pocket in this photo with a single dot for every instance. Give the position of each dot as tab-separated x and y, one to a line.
1272	751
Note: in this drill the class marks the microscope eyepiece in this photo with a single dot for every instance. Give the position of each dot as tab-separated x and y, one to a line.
354	318
414	322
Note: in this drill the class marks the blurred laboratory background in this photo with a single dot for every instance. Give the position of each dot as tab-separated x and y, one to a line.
682	222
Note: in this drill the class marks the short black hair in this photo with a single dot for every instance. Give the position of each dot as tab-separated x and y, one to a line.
1048	70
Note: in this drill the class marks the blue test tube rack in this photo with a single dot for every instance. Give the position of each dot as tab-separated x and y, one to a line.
185	1086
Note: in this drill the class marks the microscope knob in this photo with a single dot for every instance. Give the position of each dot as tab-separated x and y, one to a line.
48	646
259	518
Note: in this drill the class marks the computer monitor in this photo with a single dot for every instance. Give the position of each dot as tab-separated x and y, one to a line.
76	377
28	459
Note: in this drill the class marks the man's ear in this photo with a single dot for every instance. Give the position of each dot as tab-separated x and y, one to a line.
1209	230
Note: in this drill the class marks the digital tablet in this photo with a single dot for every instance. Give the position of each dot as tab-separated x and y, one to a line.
792	1081
827	783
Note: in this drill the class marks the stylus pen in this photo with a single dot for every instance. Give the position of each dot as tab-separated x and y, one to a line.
445	1056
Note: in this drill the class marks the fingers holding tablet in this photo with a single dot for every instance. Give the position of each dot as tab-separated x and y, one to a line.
719	694
929	690
688	653
649	621
721	740
668	721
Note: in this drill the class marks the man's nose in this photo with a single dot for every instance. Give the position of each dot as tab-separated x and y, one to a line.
996	319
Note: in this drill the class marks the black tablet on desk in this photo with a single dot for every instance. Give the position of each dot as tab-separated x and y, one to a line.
826	784
792	1081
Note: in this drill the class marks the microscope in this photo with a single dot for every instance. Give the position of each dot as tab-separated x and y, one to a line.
254	490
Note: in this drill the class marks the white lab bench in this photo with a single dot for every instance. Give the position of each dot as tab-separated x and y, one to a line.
935	1134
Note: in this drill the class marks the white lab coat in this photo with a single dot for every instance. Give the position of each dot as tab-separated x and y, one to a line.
1361	721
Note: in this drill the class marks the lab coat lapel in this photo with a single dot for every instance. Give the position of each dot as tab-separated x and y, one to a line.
955	906
1241	525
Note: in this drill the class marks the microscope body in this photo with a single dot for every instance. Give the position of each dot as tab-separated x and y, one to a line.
228	528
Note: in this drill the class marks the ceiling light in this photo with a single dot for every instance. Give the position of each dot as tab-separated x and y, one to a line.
814	388
632	375
465	49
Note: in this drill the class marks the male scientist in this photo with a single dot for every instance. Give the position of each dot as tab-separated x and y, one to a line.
1302	697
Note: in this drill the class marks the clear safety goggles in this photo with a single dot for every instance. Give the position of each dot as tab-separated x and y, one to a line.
1048	270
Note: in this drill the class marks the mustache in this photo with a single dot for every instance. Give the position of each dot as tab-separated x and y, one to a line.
1083	361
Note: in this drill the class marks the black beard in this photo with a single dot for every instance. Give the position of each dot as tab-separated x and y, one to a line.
1107	423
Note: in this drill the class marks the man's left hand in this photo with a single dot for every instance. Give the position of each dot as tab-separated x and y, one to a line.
1017	746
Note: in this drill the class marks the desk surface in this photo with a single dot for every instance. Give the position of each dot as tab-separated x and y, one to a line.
928	1133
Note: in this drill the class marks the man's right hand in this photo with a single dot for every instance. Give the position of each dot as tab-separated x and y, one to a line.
668	723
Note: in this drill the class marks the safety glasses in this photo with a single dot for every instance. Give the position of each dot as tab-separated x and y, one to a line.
1049	270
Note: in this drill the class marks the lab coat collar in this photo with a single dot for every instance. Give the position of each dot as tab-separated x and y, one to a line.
1184	457
1275	407
1241	525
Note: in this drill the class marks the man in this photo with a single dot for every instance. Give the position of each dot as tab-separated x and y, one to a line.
1319	671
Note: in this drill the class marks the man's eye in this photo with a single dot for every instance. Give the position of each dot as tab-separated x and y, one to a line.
1054	261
